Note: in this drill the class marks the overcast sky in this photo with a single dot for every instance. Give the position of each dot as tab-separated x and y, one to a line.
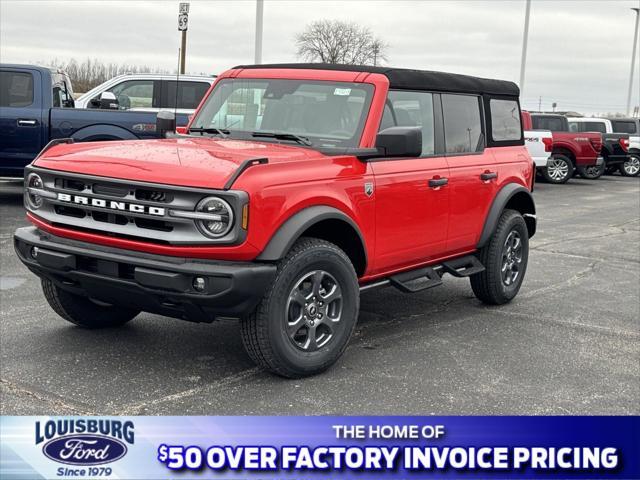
579	51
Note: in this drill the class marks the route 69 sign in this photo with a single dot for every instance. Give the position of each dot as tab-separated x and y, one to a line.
183	20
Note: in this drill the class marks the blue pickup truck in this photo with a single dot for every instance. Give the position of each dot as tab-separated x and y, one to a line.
36	106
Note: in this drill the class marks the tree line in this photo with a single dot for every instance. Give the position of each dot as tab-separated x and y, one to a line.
90	73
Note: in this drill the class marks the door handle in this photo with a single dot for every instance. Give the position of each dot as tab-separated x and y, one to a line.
27	123
438	182
486	176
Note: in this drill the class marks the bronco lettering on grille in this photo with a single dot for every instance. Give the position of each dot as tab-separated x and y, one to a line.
111	204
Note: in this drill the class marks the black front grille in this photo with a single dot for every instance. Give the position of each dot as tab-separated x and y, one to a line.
109	218
158	225
110	190
128	210
70	211
153	195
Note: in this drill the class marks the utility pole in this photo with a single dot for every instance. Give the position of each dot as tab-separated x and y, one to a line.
259	17
540	104
633	59
525	40
183	21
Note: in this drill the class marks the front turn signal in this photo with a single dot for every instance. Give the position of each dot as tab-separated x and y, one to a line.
245	216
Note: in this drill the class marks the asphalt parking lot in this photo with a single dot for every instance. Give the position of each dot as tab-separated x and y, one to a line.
568	344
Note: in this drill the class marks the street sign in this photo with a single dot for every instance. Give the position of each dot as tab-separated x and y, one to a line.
184	8
183	20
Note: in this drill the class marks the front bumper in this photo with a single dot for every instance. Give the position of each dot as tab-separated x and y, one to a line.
150	283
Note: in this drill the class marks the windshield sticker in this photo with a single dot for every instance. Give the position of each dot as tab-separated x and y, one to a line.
342	91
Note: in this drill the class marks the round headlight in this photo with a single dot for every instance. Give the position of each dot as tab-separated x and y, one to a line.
34	181
220	213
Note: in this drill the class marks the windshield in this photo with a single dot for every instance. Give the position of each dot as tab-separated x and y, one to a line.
317	113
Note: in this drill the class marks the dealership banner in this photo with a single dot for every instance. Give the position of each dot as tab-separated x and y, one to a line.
319	447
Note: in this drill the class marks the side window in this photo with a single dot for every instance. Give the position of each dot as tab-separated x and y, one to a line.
189	94
549	123
594	127
134	94
620	126
574	127
462	125
505	120
411	109
16	89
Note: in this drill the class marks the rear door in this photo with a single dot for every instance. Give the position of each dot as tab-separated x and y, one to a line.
21	127
472	171
412	198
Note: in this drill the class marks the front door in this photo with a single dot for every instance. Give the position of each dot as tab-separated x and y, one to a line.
21	126
412	198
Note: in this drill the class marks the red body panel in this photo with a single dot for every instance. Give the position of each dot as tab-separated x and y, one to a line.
584	146
404	223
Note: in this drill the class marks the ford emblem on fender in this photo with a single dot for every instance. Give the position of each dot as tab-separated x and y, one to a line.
84	449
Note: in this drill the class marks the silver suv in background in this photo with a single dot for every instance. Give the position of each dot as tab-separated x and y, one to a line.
150	92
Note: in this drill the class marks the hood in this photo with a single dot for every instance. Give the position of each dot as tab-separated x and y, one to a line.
193	162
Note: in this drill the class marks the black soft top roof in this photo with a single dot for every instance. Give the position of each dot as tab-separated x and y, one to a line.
405	79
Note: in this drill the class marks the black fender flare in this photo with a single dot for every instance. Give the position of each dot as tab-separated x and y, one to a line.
103	132
499	203
293	228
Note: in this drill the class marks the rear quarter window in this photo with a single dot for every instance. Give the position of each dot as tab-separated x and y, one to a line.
16	89
505	120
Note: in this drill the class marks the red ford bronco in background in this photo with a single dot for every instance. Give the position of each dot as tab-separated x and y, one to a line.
294	188
571	150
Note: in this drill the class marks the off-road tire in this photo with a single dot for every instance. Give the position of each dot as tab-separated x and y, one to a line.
549	171
84	312
631	168
264	334
592	172
488	286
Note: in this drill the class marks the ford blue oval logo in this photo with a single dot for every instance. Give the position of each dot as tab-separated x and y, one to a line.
84	449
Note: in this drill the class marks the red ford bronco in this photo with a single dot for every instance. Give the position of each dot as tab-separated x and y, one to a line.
294	188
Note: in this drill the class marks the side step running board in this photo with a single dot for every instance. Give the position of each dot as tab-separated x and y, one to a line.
422	279
428	277
463	266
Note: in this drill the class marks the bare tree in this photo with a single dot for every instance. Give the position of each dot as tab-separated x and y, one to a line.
335	41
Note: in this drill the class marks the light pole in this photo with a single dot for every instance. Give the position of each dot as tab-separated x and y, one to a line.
259	15
525	40
633	60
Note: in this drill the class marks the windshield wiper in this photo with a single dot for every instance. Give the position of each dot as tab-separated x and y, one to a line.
212	130
284	136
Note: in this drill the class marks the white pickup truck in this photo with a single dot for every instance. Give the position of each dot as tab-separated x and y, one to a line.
632	127
629	126
540	145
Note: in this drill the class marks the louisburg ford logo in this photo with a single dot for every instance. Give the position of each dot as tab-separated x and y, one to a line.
111	204
85	441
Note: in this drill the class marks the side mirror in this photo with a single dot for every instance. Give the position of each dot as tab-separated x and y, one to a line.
165	123
400	142
108	101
